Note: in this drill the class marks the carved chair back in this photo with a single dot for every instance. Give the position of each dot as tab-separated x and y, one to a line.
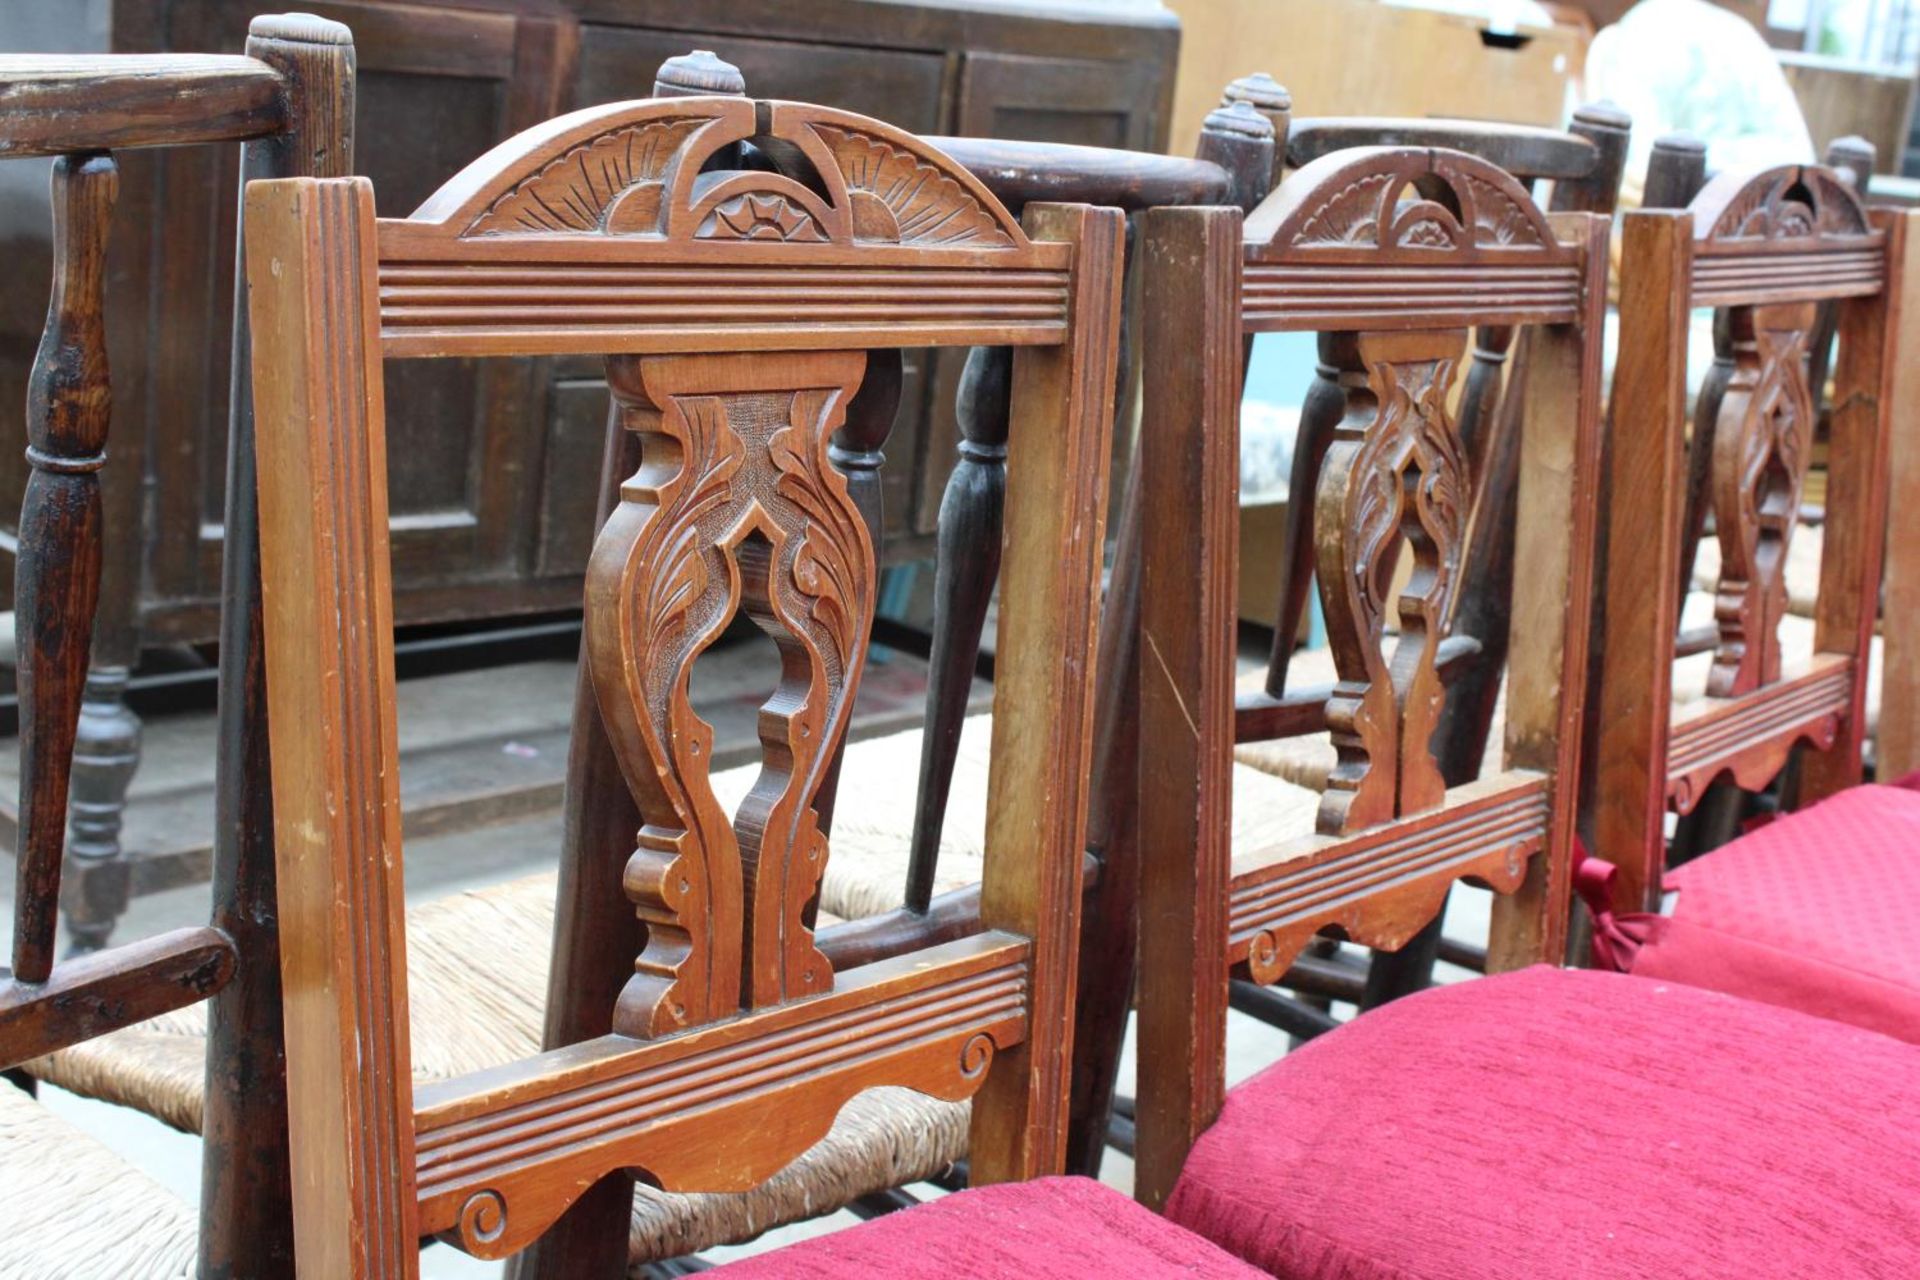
1393	255
1583	164
734	308
289	100
1770	250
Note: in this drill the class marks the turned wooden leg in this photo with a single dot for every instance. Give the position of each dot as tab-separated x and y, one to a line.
106	751
966	568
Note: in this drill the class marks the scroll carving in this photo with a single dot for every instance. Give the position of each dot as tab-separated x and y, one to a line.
1394	476
735	505
1761	448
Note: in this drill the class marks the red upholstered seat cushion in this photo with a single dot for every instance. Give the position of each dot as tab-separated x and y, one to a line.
1818	911
1053	1229
1552	1124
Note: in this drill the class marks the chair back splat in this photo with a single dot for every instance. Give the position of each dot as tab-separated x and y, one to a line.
290	102
735	308
1392	254
1771	251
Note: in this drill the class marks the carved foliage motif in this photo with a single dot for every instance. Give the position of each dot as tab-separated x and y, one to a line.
1761	448
1403	200
1394	477
641	170
735	505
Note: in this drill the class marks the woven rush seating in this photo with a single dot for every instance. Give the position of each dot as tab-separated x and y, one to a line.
478	964
82	1211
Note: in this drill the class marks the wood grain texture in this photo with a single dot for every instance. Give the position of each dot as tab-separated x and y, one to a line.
246	1189
1395	477
57	578
1897	750
1395	474
734	497
1189	477
101	992
1058	441
755	518
1868	407
1645	457
723	1108
1560	457
1381	885
54	105
321	445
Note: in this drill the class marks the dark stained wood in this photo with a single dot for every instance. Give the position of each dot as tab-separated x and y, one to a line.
93	994
246	1193
292	96
966	569
483	530
1240	141
57	582
1020	173
736	505
1519	149
1872	400
54	106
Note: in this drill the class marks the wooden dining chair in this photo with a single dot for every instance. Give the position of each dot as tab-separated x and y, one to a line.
1808	911
735	307
1548	1123
1582	165
1395	252
80	1211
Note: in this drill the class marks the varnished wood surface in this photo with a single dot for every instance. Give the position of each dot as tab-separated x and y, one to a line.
57	582
751	511
1897	748
1371	240
105	991
246	1190
1646	460
1023	172
1775	250
1868	408
54	104
1520	149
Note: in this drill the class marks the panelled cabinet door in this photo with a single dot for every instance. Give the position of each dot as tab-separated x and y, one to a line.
435	87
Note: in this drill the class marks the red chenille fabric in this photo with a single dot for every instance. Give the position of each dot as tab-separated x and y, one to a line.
1052	1229
1561	1124
1818	911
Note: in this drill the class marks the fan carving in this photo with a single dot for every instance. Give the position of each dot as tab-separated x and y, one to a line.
608	184
645	169
1791	203
1387	199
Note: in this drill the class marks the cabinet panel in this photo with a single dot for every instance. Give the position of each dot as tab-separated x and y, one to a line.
901	88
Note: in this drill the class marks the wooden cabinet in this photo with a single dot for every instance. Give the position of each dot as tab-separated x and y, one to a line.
492	464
